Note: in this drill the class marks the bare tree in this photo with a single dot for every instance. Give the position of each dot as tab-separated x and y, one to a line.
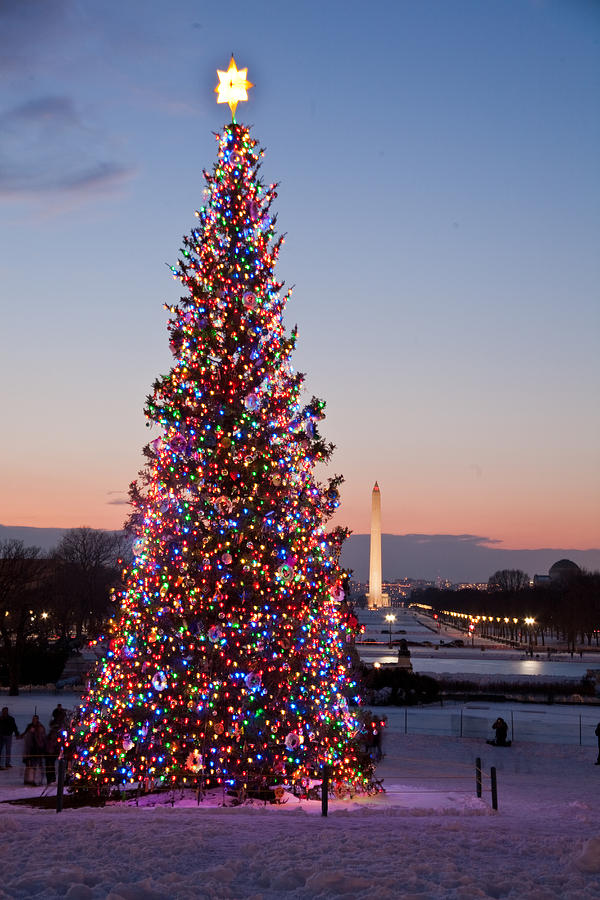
89	561
508	580
21	571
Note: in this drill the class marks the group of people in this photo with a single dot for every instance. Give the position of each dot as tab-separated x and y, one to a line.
373	737
40	747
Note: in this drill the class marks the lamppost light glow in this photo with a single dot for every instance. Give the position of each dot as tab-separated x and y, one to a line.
389	619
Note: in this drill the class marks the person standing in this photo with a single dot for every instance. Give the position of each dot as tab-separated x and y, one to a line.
8	727
597	733
52	750
34	751
501	729
59	717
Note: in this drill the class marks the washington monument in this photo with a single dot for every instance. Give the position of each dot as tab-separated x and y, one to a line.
375	598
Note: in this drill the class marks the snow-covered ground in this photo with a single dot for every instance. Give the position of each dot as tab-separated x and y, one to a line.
427	837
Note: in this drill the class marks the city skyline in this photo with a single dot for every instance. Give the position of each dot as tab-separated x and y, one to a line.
441	212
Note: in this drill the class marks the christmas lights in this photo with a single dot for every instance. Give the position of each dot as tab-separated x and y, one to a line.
229	660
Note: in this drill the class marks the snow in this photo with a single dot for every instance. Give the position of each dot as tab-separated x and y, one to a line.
428	836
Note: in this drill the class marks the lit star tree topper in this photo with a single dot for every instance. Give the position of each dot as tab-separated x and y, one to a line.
233	86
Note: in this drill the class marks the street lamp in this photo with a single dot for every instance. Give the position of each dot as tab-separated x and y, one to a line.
390	618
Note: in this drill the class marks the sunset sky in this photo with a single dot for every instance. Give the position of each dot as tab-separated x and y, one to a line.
440	192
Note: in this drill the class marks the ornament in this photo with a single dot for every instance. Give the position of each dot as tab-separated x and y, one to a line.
249	300
253	681
159	681
227	559
215	634
285	573
337	594
128	744
138	546
292	741
254	210
224	504
279	767
252	402
219	728
178	443
194	762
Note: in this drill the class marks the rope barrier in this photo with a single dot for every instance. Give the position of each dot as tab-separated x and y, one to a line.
433	762
427	777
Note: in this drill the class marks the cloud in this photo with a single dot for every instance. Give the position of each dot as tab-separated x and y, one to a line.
473	539
120	498
57	109
47	147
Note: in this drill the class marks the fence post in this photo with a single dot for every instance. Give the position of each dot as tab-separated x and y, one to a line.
478	776
461	722
325	791
60	785
406	720
580	730
494	788
512	725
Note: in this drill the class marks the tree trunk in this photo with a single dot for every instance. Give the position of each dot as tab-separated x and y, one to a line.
14	671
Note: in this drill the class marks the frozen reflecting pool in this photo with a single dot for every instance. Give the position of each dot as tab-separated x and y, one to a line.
422	636
482	664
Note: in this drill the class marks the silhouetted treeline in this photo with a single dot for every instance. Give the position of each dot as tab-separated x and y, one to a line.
48	604
568	609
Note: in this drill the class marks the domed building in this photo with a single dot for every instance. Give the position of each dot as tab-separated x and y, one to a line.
562	569
559	571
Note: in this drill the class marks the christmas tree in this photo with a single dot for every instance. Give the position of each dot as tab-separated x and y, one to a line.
229	659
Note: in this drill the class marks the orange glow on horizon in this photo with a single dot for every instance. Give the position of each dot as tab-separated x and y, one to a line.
71	501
